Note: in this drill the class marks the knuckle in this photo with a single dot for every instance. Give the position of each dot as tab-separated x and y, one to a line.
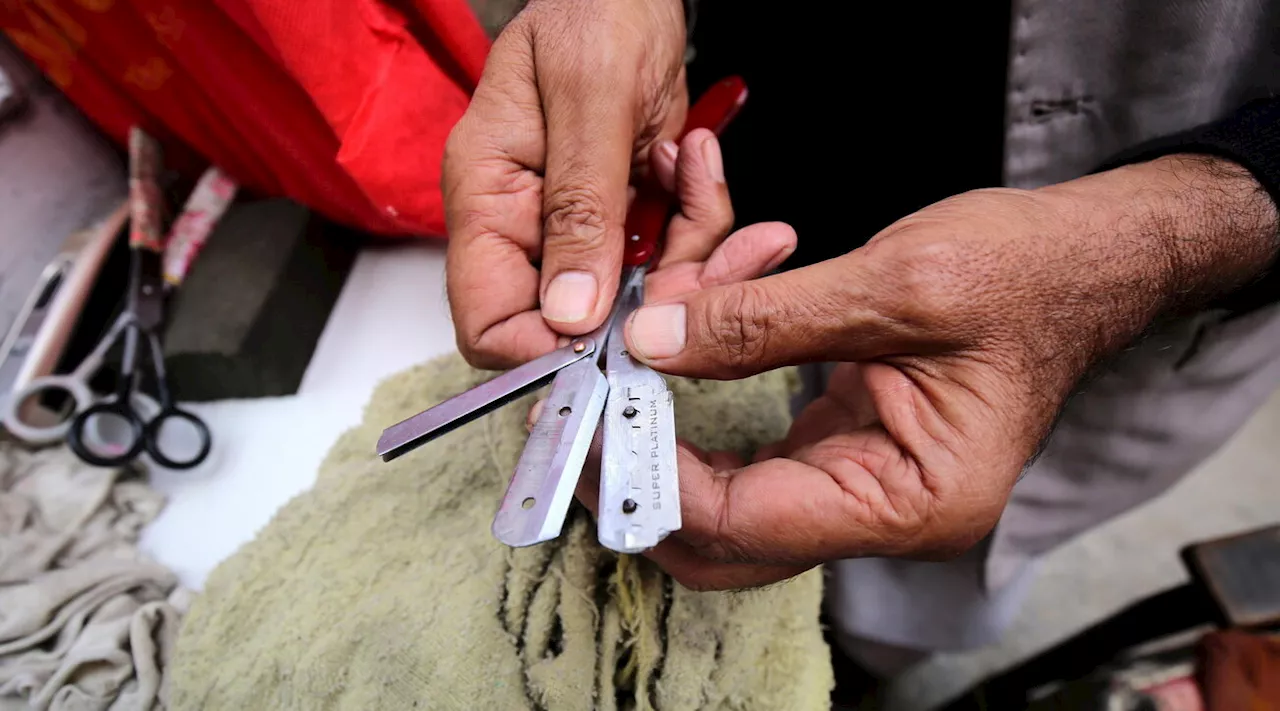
909	525
886	492
937	526
926	274
739	325
478	356
469	345
722	221
477	350
574	220
727	544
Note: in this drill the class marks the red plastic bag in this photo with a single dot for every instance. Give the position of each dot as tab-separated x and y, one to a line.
342	105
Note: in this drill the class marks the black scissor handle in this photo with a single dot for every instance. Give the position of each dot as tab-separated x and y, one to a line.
116	408
151	438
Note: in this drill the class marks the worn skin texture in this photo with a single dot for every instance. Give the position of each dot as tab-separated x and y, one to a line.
546	194
960	331
382	588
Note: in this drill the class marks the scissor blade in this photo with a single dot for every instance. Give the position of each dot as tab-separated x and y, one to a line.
537	499
477	402
639	484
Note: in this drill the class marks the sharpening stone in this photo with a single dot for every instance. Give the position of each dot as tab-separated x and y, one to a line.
245	322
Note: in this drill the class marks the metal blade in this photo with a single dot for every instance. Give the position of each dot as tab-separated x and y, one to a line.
477	402
537	499
639	484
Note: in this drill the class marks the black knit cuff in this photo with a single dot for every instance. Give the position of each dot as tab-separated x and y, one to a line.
1250	137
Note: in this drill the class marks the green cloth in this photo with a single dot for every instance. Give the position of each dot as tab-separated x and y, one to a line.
382	587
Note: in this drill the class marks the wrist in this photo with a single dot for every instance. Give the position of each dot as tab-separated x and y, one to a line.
1182	231
1219	222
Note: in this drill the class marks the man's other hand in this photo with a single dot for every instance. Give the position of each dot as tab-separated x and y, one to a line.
962	329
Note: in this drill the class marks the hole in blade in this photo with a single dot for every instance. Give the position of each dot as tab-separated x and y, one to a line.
527	503
564	411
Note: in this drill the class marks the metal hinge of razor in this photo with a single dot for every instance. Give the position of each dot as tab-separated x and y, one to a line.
639	486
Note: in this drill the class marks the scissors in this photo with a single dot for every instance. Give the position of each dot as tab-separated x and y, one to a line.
157	265
639	487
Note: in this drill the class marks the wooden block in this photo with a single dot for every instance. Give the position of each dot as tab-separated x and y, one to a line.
1241	574
246	321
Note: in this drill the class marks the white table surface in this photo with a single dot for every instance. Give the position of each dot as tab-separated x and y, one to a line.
392	314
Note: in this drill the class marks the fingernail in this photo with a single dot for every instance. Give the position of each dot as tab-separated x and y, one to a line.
571	297
563	341
534	413
657	331
715	163
669	150
780	257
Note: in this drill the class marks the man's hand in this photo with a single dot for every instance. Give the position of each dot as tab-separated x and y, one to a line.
962	329
573	94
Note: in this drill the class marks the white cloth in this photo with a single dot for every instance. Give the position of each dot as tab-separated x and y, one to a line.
86	622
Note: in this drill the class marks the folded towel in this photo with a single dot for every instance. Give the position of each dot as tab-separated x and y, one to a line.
382	587
86	621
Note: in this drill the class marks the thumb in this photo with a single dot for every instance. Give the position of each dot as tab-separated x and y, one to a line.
584	205
823	312
595	121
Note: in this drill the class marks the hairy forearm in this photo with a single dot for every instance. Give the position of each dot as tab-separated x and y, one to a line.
1195	228
1214	221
